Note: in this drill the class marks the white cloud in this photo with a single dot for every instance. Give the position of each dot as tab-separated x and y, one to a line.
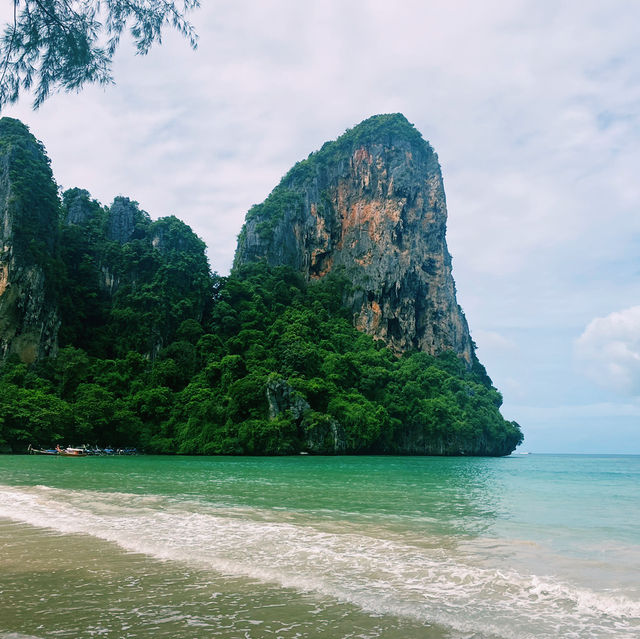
609	351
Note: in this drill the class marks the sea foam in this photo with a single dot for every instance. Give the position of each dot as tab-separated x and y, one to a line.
382	575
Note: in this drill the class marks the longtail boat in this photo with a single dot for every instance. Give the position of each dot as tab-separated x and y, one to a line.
71	452
41	451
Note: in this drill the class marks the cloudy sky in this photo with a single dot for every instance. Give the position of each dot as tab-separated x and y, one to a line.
532	105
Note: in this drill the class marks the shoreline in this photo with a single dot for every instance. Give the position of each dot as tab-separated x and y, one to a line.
32	553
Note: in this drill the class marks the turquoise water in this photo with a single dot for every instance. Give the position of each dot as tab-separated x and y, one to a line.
522	546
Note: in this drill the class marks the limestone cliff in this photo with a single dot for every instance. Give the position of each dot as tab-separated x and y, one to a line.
127	276
371	205
29	211
107	280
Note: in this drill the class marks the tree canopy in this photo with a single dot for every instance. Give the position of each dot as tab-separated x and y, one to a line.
52	45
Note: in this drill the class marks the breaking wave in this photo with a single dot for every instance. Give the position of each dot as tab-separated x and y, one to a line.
381	574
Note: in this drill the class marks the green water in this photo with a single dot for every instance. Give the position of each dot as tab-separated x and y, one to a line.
524	546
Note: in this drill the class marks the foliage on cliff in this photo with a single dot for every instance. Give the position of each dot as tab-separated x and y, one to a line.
131	296
206	391
385	130
30	195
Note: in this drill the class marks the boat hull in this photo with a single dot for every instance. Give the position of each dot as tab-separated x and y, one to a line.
72	453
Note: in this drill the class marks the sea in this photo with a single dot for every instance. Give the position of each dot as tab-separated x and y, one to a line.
525	546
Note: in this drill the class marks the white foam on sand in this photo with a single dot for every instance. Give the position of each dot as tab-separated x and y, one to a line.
380	575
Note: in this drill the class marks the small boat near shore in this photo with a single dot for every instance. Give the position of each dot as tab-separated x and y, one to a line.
82	451
71	452
64	452
41	451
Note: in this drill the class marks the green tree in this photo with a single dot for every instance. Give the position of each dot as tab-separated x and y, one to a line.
32	417
64	44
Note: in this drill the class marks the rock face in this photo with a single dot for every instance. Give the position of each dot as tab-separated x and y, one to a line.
29	210
124	215
78	206
320	436
370	205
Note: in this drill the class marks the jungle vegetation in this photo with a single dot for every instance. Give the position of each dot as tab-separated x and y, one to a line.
156	352
156	368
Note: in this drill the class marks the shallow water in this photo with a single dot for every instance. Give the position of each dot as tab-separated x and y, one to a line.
524	546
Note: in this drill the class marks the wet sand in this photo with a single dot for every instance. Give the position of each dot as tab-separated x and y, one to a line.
76	586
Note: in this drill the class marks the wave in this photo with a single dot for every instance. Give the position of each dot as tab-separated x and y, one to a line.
364	567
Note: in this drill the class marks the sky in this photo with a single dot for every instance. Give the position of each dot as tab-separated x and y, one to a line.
533	107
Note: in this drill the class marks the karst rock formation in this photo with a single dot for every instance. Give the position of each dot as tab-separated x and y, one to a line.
370	205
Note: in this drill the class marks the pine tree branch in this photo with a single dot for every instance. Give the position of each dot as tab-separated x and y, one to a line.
7	58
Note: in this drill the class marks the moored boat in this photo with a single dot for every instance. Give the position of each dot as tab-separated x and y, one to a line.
41	451
71	452
81	451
